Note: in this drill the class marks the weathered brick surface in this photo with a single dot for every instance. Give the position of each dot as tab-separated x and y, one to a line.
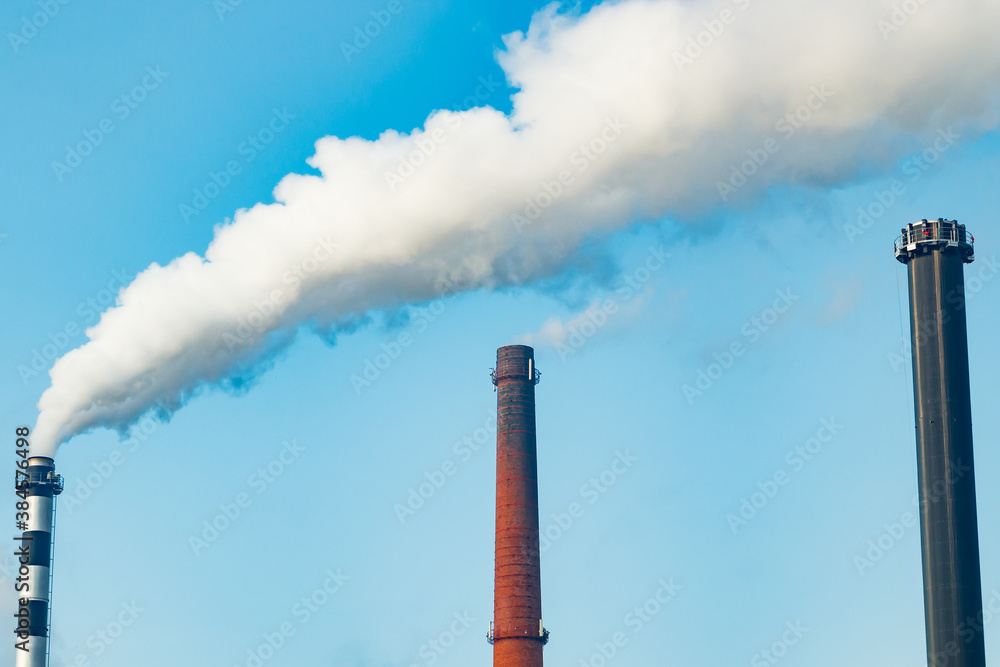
518	595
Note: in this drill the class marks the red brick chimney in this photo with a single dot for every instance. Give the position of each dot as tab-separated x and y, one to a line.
517	634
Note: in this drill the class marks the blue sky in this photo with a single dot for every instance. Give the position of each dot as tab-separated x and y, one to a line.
406	586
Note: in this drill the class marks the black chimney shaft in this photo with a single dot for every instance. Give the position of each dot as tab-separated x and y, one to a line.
935	254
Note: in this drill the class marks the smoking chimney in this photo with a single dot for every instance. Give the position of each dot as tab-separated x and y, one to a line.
38	485
517	634
935	253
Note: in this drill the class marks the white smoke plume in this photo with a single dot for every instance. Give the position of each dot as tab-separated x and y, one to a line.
632	110
602	315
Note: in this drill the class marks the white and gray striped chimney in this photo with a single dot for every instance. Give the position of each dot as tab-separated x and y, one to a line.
37	486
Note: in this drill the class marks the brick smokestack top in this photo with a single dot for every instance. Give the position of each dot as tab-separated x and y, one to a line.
517	634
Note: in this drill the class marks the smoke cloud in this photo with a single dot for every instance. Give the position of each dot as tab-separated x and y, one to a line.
633	110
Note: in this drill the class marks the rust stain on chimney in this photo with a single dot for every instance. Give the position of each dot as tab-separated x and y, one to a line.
517	634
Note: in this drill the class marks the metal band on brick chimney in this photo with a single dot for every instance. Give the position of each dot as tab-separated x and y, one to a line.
517	634
42	485
935	253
